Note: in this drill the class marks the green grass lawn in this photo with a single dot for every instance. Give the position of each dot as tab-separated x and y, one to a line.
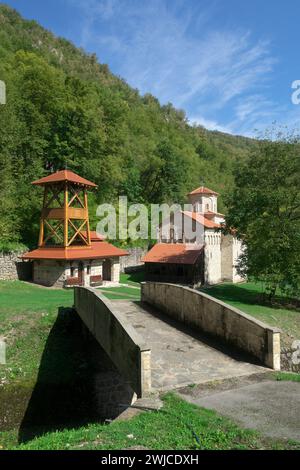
178	425
48	379
123	293
133	278
248	298
289	376
130	291
119	296
27	314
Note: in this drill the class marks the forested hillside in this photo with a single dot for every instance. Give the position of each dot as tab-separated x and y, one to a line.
65	108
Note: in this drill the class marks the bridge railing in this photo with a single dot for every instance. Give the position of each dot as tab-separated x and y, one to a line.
210	315
116	336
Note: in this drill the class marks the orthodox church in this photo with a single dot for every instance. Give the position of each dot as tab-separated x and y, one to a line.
179	259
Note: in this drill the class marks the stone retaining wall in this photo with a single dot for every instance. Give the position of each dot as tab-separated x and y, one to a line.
13	268
133	259
207	314
289	358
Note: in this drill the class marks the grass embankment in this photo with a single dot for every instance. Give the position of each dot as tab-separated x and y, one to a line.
121	293
131	290
46	392
248	298
27	314
179	425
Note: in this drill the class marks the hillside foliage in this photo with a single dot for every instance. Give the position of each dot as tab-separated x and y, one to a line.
64	108
264	208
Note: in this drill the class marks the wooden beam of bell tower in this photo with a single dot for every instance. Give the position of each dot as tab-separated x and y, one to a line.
66	215
88	232
41	235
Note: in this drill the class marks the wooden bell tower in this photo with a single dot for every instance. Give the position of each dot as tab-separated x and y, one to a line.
64	218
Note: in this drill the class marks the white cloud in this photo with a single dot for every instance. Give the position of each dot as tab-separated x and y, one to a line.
210	124
251	108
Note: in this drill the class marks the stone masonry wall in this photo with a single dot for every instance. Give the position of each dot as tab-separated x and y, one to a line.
50	273
290	359
112	393
211	316
227	258
212	257
133	259
115	270
13	268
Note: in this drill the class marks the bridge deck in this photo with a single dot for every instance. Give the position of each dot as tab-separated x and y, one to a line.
179	356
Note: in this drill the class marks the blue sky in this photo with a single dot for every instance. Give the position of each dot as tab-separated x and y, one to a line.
228	63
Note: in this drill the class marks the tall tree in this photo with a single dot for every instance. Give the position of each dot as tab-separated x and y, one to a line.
264	208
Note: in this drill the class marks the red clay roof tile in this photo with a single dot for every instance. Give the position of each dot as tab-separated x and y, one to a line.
201	219
203	190
64	175
173	253
96	250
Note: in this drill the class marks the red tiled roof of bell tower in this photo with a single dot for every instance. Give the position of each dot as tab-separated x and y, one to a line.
94	251
64	175
203	190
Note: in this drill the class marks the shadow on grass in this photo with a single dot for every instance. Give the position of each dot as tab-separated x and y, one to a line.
136	277
63	396
235	293
249	295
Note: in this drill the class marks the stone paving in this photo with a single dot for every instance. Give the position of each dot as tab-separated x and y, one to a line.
179	356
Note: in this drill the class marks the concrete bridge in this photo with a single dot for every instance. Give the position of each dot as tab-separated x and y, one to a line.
177	336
